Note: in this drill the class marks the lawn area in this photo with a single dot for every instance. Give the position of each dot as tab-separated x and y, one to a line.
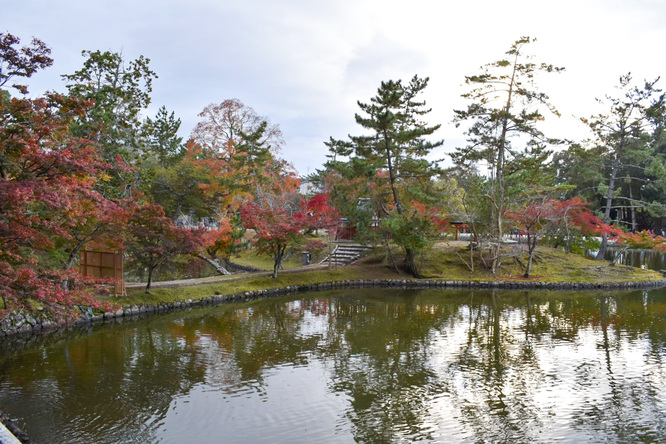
263	261
445	261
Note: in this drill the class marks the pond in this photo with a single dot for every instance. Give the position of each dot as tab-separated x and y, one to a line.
356	365
640	258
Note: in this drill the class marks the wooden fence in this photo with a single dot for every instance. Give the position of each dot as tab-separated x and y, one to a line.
104	264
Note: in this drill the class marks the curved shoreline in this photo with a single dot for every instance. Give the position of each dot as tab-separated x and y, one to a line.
22	324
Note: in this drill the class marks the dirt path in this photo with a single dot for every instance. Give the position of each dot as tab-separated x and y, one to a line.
213	279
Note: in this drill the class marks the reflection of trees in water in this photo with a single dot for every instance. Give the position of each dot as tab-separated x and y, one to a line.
383	366
499	369
129	377
239	345
629	410
270	337
130	374
402	358
378	346
504	374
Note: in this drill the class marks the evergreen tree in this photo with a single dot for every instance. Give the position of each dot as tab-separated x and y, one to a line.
579	168
654	190
620	133
394	157
163	141
251	159
503	114
119	92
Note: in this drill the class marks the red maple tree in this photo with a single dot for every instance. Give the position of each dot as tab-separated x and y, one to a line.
47	187
154	240
276	227
558	217
320	214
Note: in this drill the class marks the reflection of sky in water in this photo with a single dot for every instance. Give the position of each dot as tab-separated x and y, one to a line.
365	366
567	380
289	398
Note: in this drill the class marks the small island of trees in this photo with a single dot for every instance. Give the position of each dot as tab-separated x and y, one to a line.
86	167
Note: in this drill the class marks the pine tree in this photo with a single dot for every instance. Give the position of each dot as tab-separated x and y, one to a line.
622	134
395	155
504	111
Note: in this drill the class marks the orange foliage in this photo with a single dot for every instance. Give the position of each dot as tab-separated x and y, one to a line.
643	239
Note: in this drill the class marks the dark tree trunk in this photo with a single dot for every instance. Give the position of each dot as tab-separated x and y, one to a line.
277	263
531	248
410	263
609	198
150	278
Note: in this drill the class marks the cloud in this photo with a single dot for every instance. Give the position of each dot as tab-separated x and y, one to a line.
304	64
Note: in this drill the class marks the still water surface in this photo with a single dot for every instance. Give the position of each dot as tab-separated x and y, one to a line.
362	365
639	258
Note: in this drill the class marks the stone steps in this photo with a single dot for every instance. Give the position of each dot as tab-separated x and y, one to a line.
344	254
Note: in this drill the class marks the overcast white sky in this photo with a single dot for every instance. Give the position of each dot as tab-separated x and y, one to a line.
305	63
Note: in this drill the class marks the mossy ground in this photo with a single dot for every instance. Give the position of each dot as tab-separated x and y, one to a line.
444	261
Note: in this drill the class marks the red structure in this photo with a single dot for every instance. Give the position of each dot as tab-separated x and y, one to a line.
459	226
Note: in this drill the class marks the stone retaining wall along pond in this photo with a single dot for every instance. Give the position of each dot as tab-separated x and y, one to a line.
26	323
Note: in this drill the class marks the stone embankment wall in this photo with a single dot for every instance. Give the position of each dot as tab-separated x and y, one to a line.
23	323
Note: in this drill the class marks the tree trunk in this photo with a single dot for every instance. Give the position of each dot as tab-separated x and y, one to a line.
410	263
499	174
72	257
609	204
150	278
611	188
277	260
390	255
567	243
77	248
632	209
391	172
74	254
215	264
531	248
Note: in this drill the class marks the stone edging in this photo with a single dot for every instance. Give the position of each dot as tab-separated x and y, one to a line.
20	323
10	433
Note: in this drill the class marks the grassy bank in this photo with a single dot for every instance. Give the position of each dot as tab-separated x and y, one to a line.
445	262
551	265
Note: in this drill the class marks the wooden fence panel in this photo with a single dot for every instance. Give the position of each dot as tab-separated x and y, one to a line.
104	264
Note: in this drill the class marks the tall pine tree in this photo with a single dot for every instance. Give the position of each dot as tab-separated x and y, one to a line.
395	153
621	133
503	115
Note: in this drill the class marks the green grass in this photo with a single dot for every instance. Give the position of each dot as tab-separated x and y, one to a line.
442	262
264	262
551	265
248	282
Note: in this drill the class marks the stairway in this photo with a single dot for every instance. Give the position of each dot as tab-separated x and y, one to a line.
344	254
